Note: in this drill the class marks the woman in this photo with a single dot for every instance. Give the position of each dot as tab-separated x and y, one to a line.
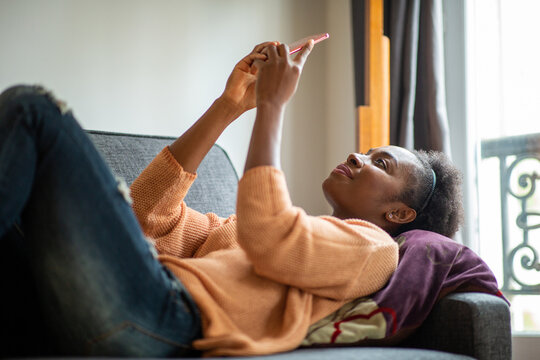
250	284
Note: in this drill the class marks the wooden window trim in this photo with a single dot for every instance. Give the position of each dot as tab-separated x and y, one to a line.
372	74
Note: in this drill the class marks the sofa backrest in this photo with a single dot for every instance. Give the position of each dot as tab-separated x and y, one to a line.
214	190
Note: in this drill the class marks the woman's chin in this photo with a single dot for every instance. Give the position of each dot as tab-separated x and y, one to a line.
326	187
327	191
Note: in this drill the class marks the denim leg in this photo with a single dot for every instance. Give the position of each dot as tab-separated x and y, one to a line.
100	288
22	332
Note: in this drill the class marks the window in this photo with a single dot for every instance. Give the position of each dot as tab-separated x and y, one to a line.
504	104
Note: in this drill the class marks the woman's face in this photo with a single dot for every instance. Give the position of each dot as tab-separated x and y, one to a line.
367	185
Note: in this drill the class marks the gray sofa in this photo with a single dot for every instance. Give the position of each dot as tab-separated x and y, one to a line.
460	326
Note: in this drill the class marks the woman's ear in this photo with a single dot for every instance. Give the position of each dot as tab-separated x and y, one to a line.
401	215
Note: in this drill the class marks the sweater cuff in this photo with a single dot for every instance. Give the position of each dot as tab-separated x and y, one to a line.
175	165
163	177
263	190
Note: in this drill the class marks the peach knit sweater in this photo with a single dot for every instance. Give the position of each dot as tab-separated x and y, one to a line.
262	276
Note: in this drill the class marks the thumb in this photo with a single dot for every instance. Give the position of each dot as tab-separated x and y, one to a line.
257	64
303	54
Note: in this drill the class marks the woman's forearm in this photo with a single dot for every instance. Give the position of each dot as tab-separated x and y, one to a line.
265	144
191	148
277	80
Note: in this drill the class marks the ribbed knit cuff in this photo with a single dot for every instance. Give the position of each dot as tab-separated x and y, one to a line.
164	179
169	157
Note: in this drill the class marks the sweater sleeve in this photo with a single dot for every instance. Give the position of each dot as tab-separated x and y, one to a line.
158	195
326	256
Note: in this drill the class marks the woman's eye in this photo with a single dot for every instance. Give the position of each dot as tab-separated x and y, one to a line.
381	162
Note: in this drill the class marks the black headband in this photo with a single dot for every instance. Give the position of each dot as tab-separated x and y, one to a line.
430	193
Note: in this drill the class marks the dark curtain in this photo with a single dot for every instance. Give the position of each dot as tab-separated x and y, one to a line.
418	116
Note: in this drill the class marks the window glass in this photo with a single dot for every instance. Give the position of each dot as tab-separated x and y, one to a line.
504	103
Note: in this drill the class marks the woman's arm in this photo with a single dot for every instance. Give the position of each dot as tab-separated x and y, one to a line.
277	82
159	191
325	256
238	97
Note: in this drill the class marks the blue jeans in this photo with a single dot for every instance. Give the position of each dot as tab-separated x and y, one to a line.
96	282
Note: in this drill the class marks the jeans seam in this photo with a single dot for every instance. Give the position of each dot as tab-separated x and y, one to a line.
128	324
178	298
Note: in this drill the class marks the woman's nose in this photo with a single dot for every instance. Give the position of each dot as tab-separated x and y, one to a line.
355	160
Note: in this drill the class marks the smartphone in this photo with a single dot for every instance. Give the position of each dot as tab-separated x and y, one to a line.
297	45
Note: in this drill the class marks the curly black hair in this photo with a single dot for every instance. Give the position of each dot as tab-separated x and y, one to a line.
443	212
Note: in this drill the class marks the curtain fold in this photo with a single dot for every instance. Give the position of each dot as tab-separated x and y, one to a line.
418	115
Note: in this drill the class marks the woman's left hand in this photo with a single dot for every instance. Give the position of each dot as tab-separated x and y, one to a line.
240	87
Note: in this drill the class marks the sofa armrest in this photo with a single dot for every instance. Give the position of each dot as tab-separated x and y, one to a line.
473	324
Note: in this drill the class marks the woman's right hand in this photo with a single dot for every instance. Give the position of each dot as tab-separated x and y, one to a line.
278	75
277	80
240	88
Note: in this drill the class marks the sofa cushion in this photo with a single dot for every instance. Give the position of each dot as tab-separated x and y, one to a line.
214	190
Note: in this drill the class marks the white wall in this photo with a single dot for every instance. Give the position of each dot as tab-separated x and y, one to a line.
154	67
341	114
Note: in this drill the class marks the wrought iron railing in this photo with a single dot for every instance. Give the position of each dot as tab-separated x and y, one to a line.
519	161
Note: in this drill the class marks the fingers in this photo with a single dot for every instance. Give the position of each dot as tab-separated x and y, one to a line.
256	56
258	52
258	48
256	65
262	48
259	55
283	50
303	54
271	51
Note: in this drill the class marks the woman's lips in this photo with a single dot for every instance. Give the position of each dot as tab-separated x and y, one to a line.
344	170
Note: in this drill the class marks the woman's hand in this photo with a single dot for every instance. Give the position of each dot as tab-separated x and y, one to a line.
239	96
240	88
276	83
278	76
